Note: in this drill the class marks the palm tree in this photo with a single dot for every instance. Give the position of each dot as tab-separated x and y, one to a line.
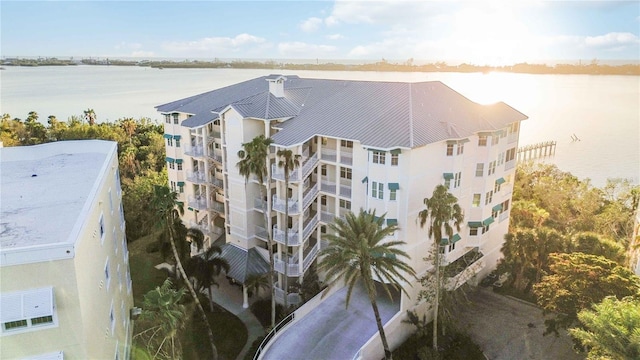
168	210
357	251
440	210
289	162
129	126
90	116
254	160
256	282
204	268
162	307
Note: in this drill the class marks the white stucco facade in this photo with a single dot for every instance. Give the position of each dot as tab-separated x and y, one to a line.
64	272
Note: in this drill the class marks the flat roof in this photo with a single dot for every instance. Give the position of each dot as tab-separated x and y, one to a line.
46	191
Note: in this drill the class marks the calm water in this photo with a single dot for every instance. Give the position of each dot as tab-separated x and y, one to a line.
603	111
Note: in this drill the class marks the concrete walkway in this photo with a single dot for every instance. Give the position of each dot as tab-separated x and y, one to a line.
230	297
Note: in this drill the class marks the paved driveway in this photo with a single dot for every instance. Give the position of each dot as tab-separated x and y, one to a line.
332	332
500	325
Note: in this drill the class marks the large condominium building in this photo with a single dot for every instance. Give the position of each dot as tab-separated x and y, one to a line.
64	273
362	144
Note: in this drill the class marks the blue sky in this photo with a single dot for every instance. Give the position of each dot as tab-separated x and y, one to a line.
480	32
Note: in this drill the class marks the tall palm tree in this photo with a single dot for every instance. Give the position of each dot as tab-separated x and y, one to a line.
254	159
129	126
90	116
168	209
358	251
289	162
440	210
204	268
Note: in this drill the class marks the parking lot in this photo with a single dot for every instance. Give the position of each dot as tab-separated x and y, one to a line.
510	329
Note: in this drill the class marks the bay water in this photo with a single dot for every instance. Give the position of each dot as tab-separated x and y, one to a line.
602	111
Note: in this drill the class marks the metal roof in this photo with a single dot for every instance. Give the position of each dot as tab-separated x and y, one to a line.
243	263
377	114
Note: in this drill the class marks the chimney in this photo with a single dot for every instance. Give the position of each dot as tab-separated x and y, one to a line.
276	85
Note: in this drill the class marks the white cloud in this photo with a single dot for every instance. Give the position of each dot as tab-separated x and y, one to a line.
311	24
297	49
612	40
335	37
214	44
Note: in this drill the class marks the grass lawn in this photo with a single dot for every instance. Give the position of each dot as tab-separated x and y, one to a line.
229	332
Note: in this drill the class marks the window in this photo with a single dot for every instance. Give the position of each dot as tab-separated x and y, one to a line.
485	229
513	128
177	142
505	206
479	169
495	139
374	189
476	200
488	198
323	200
179	166
492	168
501	158
449	149
460	149
121	216
447	183
110	201
112	319
482	140
323	170
379	157
24	310
494	213
496	187
394	159
346	143
167	118
473	231
345	173
380	191
118	188
102	228
172	165
173	185
324	141
392	194
175	118
456	179
180	188
511	154
169	141
107	275
452	247
345	204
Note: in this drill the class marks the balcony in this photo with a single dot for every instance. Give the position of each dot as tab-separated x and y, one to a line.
202	226
194	151
259	204
310	194
299	173
217	183
513	137
346	157
197	177
216	156
329	155
294	239
293	269
327	186
503	216
261	233
509	165
217	207
197	202
279	205
345	188
293	298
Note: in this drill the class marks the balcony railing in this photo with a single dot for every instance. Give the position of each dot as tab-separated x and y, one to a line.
279	205
216	156
198	177
197	202
329	155
308	259
309	195
293	298
293	267
504	216
195	151
217	183
259	204
261	233
202	226
297	174
346	158
510	165
513	137
345	190
327	186
327	217
309	226
218	207
278	236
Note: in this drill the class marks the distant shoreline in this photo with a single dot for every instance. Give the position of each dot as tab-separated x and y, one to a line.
592	68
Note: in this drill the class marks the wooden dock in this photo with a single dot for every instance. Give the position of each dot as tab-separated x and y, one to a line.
536	151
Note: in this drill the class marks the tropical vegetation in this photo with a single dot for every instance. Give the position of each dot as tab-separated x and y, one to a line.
359	251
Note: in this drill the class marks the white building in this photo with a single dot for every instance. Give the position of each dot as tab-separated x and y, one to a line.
64	273
363	144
